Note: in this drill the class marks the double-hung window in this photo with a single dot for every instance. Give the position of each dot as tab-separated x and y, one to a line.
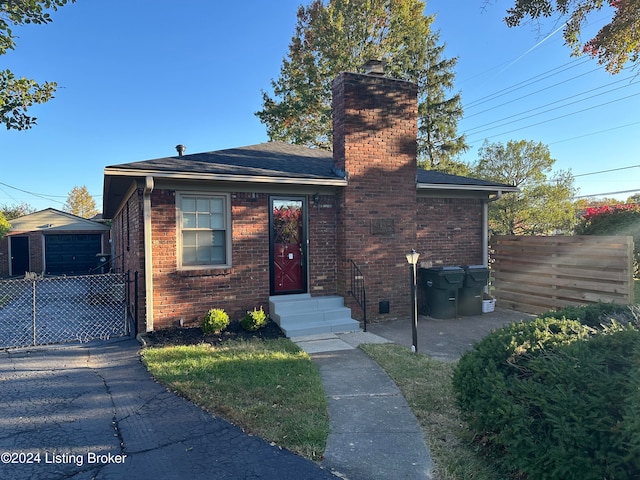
204	231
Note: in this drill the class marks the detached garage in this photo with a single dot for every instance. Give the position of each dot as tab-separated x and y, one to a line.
52	242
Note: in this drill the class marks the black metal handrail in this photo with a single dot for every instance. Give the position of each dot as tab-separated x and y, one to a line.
107	266
358	290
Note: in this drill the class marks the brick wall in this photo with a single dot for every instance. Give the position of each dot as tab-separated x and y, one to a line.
449	231
375	128
35	254
4	257
127	229
322	246
188	295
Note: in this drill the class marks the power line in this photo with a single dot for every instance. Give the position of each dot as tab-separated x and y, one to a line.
563	116
548	74
552	103
50	198
34	194
608	193
527	82
606	171
594	133
533	93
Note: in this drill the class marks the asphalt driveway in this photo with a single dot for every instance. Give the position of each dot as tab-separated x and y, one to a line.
92	411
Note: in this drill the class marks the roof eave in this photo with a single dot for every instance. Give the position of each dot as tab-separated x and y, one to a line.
320	181
469	188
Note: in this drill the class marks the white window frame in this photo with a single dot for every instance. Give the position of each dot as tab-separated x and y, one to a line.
180	196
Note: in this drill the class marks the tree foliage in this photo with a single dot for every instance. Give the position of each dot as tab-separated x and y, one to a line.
343	36
614	45
80	203
18	94
17	210
544	203
5	226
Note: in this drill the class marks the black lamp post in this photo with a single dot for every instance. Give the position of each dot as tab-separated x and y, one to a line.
412	259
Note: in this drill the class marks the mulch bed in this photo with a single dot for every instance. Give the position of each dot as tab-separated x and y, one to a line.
195	336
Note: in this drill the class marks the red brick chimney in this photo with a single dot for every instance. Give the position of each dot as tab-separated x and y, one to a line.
375	124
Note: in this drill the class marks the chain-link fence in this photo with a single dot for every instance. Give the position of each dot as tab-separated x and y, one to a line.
39	311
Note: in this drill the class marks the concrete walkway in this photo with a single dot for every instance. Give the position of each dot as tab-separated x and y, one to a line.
373	433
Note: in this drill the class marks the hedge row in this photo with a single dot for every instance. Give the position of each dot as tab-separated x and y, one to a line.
556	398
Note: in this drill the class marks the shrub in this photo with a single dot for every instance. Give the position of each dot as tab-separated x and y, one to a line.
485	375
215	321
614	220
594	315
254	320
556	399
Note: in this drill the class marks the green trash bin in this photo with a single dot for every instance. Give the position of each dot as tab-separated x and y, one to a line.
438	291
470	298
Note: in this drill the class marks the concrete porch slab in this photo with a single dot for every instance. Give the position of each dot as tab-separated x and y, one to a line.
331	342
325	343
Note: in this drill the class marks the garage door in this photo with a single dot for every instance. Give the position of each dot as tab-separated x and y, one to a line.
71	254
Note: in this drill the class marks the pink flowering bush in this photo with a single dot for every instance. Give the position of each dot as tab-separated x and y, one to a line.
614	220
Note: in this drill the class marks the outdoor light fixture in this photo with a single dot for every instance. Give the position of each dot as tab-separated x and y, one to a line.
412	260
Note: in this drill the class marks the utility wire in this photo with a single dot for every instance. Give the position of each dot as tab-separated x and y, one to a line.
595	133
553	103
525	83
548	74
504	120
606	171
45	197
608	193
563	116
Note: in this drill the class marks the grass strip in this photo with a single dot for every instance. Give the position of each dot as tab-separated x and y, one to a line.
270	388
426	384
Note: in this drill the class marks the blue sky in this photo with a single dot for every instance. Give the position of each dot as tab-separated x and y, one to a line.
137	77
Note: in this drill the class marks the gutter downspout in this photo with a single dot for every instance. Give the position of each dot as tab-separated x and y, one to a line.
148	251
485	231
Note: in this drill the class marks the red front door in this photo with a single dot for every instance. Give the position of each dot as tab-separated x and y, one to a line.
288	259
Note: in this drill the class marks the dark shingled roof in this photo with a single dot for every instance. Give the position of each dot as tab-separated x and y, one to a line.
434	177
271	159
276	162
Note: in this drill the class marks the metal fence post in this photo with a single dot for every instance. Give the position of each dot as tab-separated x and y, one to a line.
135	301
33	310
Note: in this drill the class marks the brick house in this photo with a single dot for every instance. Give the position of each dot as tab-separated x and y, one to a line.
276	225
52	242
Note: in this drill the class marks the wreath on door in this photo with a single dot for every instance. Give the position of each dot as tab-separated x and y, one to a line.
287	223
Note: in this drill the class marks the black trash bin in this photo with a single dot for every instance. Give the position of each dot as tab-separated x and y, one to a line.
438	291
470	298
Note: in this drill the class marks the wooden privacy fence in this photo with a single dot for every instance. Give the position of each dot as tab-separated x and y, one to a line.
536	274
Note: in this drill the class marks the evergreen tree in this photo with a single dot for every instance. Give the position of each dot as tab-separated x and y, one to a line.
343	36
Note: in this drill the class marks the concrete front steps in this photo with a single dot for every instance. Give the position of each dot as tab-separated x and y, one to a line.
300	315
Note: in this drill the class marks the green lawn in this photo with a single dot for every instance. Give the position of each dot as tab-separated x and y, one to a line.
270	388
